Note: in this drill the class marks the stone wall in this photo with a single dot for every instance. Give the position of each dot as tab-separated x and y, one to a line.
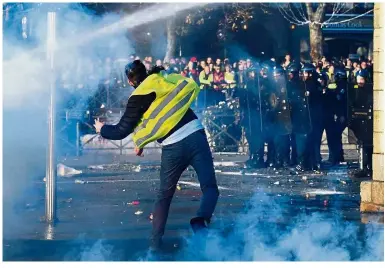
372	192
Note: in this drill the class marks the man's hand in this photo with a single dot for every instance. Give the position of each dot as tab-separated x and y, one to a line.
139	152
98	125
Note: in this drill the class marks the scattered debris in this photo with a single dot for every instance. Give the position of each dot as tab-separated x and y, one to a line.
137	168
175	245
134	203
343	182
124	190
276	183
96	167
69	200
304	178
307	195
225	164
178	187
64	171
291	180
151	217
325	203
311	183
79	182
139	212
279	195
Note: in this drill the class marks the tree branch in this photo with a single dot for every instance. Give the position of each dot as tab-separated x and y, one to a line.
309	10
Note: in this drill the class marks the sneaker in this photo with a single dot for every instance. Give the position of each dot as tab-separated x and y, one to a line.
198	224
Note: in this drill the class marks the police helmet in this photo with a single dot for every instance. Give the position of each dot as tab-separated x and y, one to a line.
309	68
340	73
136	72
293	68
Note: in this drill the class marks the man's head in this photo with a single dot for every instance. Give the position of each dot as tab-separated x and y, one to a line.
349	63
147	64
136	73
217	68
363	65
158	63
331	69
209	60
207	69
248	63
287	57
203	64
218	61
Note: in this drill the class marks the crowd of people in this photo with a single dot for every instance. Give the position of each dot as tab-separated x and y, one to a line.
291	121
286	104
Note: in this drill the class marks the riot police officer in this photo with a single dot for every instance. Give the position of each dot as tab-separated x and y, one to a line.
312	85
360	98
340	112
300	116
329	102
265	89
250	104
279	122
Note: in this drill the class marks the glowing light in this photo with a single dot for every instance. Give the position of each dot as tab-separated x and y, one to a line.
245	27
148	33
292	27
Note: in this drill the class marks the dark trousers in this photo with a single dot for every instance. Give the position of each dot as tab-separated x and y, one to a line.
253	131
339	151
193	150
301	142
282	148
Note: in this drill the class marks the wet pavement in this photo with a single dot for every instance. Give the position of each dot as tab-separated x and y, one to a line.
104	213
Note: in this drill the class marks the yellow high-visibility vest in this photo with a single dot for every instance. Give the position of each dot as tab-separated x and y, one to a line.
331	85
174	95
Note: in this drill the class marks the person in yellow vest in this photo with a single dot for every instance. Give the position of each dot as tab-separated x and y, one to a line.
159	110
206	80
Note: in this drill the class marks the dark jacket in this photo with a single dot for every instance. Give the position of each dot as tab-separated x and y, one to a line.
137	105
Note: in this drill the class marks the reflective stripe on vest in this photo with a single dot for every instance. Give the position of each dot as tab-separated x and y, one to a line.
173	110
163	104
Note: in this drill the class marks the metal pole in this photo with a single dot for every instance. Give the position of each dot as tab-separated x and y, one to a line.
50	185
77	138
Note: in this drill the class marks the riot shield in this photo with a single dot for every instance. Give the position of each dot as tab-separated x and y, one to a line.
277	113
299	107
360	113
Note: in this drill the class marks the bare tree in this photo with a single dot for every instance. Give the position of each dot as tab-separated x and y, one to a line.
313	15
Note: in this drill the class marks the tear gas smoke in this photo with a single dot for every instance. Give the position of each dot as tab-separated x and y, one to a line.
83	42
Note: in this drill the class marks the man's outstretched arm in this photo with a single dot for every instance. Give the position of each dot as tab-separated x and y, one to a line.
137	105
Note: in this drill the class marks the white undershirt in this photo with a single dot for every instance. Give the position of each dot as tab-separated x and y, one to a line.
183	132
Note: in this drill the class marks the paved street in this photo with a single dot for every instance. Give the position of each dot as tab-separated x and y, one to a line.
261	215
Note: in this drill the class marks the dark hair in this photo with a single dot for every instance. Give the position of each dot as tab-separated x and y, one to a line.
155	70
